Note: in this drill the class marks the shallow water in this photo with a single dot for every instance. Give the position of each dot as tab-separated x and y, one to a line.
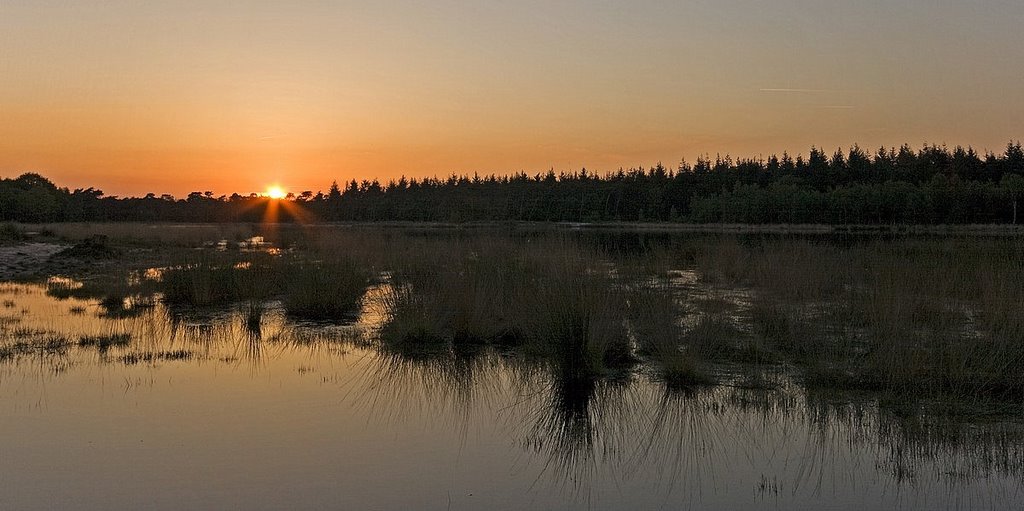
197	411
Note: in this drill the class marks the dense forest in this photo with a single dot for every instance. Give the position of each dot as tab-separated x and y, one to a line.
933	185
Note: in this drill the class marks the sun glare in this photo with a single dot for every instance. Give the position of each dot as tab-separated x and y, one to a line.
276	192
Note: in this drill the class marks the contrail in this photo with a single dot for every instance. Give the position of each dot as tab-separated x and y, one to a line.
796	90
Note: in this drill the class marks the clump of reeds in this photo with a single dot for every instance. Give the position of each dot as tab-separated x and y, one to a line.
40	343
201	282
654	316
105	341
715	336
552	299
466	297
205	279
325	290
253	317
576	317
413	318
113	302
682	371
149	357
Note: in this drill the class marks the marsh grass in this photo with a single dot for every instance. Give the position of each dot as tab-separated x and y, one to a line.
916	316
150	235
461	296
105	341
151	357
34	343
574	310
910	317
113	293
923	336
253	317
682	371
412	319
329	289
551	300
10	232
205	279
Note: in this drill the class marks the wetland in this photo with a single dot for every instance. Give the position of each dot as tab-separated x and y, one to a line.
508	367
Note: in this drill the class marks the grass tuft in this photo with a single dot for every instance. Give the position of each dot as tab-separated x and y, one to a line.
104	342
325	290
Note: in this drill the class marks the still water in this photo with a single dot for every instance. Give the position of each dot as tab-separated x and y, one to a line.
195	410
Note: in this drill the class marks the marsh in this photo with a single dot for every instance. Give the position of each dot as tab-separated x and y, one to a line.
502	367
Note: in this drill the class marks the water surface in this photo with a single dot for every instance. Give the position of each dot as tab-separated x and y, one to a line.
196	410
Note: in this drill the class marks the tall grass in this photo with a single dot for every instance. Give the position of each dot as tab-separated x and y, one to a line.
320	289
553	300
202	281
324	290
914	316
463	293
908	317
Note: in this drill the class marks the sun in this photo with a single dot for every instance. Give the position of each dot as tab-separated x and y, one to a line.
276	192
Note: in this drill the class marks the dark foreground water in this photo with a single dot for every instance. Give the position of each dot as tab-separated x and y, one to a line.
191	411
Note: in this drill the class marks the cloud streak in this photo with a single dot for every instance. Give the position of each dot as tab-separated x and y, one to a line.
798	91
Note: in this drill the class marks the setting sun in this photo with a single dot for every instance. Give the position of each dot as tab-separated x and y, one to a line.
276	192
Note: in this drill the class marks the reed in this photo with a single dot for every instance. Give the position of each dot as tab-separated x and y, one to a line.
325	290
553	300
907	317
105	341
204	279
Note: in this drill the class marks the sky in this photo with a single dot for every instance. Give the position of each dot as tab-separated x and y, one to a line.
230	96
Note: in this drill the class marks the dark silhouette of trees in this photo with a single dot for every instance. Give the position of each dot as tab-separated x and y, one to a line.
932	185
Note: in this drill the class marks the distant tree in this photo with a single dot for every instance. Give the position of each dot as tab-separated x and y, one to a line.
931	185
334	193
1014	185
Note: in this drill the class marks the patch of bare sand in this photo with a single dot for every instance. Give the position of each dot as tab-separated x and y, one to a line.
25	259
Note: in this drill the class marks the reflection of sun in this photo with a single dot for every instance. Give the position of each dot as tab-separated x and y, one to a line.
276	192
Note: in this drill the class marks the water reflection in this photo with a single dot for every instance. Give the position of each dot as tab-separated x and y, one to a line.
738	444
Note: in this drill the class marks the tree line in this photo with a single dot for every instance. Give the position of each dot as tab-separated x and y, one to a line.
931	185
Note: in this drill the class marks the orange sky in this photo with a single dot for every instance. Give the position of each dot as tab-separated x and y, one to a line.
231	96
